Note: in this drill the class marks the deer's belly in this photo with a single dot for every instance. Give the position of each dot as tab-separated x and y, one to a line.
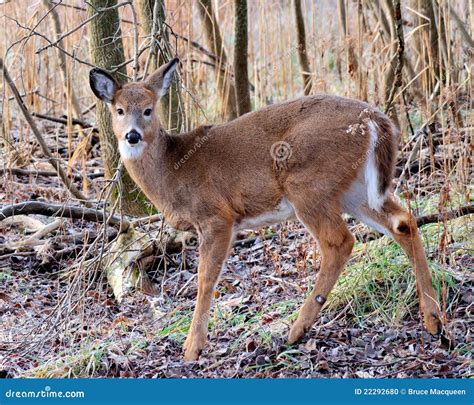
282	212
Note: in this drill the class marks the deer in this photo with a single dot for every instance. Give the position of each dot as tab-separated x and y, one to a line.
311	159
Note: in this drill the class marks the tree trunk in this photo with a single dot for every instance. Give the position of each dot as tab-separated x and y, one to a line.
225	87
106	49
389	79
397	74
153	22
305	70
242	93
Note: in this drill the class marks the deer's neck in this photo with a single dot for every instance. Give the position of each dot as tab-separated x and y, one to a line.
149	169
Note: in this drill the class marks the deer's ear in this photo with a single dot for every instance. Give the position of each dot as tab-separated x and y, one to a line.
103	85
160	80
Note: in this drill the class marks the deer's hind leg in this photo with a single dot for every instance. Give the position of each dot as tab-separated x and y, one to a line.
401	224
335	243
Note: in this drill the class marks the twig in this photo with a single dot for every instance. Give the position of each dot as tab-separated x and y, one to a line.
63	211
88	20
83	9
33	32
55	162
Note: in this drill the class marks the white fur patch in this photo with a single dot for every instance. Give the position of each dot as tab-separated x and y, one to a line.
282	212
128	151
356	200
374	198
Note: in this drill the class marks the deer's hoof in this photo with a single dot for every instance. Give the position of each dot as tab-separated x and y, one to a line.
432	323
296	333
193	348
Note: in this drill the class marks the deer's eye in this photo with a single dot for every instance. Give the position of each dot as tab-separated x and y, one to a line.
120	111
147	112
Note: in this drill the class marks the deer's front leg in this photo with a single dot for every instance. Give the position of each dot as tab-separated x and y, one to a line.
215	241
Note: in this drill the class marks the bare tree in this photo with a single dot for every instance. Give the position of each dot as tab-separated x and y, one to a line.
153	18
225	87
305	69
242	92
106	49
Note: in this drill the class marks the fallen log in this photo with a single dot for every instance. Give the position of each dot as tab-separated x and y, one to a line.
63	211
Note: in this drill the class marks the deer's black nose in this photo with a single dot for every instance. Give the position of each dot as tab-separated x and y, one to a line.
133	137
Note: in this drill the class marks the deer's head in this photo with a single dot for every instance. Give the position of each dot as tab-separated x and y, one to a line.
135	119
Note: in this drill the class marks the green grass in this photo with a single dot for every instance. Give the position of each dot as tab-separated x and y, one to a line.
86	362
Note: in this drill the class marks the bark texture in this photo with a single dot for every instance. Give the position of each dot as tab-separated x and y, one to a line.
303	56
242	92
106	49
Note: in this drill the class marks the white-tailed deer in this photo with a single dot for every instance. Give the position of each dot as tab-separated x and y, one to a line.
313	159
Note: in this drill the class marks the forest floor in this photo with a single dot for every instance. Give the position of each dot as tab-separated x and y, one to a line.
54	324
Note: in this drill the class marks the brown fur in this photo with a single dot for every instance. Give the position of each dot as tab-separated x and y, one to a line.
213	178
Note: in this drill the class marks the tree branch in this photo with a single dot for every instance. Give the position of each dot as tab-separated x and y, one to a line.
62	211
441	216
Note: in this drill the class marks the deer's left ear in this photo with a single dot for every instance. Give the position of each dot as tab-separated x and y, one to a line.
160	80
103	85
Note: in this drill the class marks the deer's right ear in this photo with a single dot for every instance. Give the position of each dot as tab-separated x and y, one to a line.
103	85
